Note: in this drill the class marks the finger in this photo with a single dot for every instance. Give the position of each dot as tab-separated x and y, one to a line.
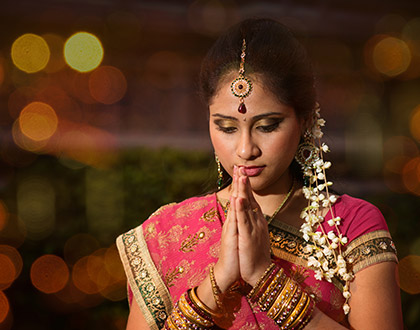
235	182
230	224
242	216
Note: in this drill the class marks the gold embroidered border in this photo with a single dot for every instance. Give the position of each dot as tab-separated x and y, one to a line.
369	249
148	287
287	244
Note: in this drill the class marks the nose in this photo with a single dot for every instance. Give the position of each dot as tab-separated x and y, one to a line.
247	147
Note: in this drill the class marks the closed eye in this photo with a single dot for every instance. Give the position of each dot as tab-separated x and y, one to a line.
270	126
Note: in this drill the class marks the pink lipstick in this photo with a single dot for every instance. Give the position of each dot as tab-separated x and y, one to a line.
253	170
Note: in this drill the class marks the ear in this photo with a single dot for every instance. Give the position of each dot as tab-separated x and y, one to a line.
306	124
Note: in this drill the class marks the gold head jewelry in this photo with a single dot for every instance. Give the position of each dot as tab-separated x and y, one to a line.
241	87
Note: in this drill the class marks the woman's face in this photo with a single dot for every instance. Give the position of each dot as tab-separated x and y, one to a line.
263	140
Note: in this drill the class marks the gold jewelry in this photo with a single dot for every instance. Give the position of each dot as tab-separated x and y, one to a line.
282	203
190	314
241	87
217	294
297	314
201	305
219	173
255	210
261	281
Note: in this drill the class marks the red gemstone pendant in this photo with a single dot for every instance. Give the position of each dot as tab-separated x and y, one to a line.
242	108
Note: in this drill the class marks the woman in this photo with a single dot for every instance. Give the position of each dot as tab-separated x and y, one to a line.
273	247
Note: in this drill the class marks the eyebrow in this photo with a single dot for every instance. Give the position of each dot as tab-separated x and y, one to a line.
255	118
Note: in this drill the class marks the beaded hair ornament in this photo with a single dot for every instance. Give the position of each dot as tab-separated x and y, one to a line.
241	87
324	247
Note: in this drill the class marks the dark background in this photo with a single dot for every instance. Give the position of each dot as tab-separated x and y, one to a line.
109	166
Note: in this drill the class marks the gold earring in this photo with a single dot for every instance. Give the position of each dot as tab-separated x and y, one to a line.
219	173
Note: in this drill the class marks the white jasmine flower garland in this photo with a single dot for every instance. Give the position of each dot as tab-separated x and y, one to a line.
325	248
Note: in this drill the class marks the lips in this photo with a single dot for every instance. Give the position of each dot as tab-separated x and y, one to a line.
253	170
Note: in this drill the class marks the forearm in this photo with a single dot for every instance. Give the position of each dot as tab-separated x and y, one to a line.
322	321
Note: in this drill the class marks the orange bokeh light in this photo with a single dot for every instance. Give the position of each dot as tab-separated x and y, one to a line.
25	142
415	123
7	271
49	273
107	84
10	265
411	175
391	56
38	121
409	273
4	306
81	278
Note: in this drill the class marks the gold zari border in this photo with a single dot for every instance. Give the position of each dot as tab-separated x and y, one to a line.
369	249
148	288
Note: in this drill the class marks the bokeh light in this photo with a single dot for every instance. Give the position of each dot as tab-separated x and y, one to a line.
7	271
83	52
391	56
81	277
36	206
25	142
4	215
411	175
101	273
107	84
12	262
30	53
4	306
49	273
409	273
415	123
38	121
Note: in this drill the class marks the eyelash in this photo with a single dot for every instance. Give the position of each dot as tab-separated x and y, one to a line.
265	129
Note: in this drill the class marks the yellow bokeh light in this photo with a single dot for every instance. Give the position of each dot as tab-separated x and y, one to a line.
391	56
83	52
415	123
38	121
30	53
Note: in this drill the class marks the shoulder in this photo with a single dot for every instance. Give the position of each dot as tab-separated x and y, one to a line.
183	209
358	216
177	212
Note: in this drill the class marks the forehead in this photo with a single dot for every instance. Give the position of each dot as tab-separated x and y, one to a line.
260	100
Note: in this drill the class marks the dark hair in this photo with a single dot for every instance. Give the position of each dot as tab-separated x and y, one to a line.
273	52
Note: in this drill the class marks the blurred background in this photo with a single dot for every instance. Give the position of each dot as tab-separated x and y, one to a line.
100	124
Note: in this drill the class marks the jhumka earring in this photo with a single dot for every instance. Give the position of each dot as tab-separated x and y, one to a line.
241	87
306	154
219	173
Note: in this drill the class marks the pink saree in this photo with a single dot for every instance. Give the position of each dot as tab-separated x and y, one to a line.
173	250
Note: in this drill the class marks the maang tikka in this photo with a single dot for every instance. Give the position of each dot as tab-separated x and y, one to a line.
241	87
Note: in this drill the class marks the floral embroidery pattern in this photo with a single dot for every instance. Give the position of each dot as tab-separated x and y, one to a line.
174	274
210	215
188	244
171	236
